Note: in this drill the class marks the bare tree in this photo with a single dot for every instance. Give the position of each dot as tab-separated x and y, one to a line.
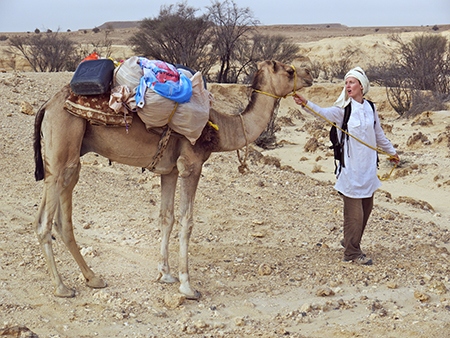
231	24
48	52
177	35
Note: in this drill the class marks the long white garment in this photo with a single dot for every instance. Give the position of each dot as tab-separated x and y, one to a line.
358	179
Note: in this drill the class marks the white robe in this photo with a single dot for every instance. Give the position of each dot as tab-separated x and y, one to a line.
358	179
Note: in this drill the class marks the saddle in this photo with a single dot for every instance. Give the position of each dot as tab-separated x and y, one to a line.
96	109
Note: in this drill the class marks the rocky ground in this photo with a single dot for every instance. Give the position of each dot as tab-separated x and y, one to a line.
265	250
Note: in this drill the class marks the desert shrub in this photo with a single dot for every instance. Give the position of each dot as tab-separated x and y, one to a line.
177	35
315	68
425	100
412	68
3	38
259	47
425	60
50	52
340	65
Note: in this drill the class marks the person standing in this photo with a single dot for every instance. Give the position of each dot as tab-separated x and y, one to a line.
357	181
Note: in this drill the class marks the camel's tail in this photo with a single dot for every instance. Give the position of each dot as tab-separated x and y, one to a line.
39	164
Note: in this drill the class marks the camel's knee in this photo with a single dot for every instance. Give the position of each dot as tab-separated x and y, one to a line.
70	175
184	166
43	226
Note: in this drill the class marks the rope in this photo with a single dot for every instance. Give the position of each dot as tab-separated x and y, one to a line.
378	150
243	167
173	112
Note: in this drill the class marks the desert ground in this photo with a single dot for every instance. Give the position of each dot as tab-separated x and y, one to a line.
265	250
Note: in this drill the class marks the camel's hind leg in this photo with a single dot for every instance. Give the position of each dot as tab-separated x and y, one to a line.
61	147
56	207
43	227
65	226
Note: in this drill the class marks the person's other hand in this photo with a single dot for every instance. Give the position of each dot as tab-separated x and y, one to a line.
394	159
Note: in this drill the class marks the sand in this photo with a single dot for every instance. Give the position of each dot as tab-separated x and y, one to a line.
265	250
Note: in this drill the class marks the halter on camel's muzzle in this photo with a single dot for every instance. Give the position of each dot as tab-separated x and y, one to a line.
292	93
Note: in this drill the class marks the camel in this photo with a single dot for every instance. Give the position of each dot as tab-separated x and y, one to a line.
60	139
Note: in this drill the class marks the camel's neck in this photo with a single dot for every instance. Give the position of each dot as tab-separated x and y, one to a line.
254	119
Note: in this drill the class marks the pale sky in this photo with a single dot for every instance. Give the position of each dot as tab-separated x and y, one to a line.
27	15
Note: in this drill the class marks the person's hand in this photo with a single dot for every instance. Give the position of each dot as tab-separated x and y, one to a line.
300	100
394	159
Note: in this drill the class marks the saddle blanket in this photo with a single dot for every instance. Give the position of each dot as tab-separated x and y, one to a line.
96	109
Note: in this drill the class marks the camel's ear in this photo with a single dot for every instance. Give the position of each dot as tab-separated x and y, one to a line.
266	63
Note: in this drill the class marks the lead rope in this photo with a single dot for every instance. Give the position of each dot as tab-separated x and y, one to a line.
243	167
378	150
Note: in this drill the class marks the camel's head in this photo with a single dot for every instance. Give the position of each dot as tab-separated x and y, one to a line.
303	68
279	79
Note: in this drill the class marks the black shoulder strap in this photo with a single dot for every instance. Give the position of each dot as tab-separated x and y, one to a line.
347	112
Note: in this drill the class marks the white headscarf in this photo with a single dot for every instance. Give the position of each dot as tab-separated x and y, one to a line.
359	74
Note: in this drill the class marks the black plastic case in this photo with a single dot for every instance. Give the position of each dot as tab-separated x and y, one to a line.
92	77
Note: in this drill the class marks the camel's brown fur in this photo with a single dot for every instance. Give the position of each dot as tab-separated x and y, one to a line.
61	138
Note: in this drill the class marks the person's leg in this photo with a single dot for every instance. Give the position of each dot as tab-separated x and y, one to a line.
367	206
353	227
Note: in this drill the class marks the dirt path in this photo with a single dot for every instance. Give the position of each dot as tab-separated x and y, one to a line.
265	252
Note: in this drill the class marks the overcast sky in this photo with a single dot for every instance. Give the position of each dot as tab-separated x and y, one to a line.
27	15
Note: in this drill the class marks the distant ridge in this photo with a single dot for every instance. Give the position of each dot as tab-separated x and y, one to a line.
120	24
134	24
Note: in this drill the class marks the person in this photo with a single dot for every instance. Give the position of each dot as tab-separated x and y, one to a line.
357	181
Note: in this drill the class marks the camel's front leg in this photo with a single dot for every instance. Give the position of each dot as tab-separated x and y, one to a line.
166	219
187	196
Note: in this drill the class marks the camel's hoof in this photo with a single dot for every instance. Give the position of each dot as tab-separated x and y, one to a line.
193	296
64	292
167	278
96	283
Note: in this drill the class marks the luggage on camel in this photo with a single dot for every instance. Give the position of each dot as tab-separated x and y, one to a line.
183	106
92	77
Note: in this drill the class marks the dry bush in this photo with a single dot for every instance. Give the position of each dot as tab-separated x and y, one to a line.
444	138
311	145
339	66
417	137
415	203
416	75
46	52
317	169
